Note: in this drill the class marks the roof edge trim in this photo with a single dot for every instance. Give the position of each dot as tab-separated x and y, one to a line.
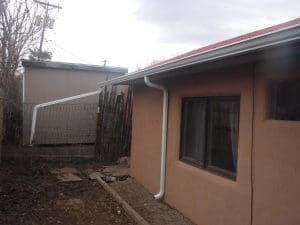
72	66
249	45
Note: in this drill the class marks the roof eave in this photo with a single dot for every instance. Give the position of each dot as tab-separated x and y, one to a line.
72	66
250	45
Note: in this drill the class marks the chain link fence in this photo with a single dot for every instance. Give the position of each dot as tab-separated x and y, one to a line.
61	124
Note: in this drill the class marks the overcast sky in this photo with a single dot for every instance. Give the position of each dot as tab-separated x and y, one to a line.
133	33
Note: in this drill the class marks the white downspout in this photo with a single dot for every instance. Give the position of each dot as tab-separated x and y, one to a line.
161	192
34	114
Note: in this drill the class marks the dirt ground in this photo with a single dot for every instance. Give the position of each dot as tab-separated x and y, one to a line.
155	212
31	195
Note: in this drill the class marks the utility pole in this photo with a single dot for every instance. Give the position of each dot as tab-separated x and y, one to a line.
46	5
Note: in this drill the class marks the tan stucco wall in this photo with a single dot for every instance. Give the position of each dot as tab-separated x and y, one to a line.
200	195
276	164
146	136
204	197
49	84
42	85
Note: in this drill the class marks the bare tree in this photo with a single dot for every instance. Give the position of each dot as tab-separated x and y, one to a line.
20	30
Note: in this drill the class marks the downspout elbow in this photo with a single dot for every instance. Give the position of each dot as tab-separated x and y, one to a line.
159	195
161	192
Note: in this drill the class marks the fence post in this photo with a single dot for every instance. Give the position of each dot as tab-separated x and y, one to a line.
1	121
114	124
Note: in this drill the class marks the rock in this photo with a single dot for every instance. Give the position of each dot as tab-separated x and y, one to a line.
95	174
109	179
116	171
123	178
125	160
66	174
65	170
67	177
118	210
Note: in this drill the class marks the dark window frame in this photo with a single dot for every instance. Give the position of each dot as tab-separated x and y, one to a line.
207	135
275	105
182	149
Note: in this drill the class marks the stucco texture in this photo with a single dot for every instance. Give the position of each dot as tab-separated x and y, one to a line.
207	198
276	154
70	123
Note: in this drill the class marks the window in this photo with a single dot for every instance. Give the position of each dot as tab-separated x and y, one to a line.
209	134
285	100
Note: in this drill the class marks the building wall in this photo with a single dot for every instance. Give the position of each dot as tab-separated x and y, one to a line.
206	198
146	136
276	166
42	85
200	195
49	84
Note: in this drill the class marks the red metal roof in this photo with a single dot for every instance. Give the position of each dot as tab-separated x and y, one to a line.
230	41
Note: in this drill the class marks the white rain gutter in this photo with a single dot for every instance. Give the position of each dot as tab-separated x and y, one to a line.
253	44
45	104
164	132
270	39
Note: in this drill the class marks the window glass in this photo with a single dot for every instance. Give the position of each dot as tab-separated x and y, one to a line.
224	121
193	141
285	100
209	135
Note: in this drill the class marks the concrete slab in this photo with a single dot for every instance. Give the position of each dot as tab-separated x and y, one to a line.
66	174
65	170
68	177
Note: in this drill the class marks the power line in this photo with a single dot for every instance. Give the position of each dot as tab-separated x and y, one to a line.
67	51
45	21
47	4
52	49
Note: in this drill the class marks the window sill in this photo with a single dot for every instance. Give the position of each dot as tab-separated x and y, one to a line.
222	172
192	162
210	169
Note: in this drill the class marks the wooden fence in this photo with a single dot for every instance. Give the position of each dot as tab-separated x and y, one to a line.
113	137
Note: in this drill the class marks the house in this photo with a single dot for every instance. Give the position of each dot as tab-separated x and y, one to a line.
73	122
227	118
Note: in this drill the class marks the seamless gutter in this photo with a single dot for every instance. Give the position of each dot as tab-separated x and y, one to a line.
277	37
